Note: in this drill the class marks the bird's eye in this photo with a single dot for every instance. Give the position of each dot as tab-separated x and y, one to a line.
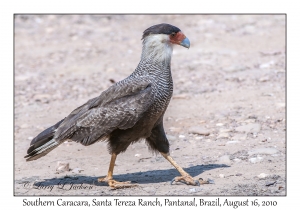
173	34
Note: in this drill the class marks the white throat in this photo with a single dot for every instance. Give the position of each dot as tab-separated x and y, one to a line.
157	48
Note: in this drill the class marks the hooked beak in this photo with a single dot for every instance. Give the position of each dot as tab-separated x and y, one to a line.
185	42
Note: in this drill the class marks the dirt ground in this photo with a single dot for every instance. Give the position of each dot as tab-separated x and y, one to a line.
226	120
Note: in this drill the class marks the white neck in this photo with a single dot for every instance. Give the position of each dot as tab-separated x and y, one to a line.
157	48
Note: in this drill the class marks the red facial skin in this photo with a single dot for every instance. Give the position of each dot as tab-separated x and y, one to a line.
177	38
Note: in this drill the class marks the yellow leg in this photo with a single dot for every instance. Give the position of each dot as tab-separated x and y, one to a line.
109	178
185	177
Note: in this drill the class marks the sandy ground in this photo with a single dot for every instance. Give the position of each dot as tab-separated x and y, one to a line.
226	120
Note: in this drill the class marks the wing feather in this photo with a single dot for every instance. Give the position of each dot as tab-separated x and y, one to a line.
121	106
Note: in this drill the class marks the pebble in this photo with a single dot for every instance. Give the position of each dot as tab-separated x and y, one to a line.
225	130
62	166
173	129
24	126
266	65
235	68
30	138
281	105
199	130
219	124
250	121
256	160
265	150
149	189
223	135
224	159
180	96
137	155
39	97
270	183
239	137
264	79
182	136
221	175
171	138
77	170
192	190
237	160
232	142
252	127
262	175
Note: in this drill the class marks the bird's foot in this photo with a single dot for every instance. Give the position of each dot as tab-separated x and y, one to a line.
115	184
187	179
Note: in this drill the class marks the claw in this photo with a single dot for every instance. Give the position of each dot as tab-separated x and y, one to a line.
172	181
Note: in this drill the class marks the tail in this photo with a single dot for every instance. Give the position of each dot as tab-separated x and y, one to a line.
43	143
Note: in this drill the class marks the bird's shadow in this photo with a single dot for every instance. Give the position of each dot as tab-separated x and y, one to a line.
145	177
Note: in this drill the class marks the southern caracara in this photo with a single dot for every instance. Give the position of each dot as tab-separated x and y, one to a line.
128	111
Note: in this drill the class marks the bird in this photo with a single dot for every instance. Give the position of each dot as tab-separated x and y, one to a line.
129	111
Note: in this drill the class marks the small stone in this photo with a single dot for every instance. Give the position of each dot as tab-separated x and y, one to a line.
77	170
256	160
281	105
270	183
171	138
223	135
266	65
239	137
232	142
180	96
192	190
110	69
174	129
24	126
250	121
252	127
266	151
262	175
239	174
182	136
62	166
224	159
221	175
219	124
225	130
137	155
30	138
237	160
235	68
149	189
199	130
39	97
264	79
208	140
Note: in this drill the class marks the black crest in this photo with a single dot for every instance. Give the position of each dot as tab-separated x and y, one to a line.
162	28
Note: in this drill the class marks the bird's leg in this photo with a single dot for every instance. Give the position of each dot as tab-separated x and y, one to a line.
185	177
109	178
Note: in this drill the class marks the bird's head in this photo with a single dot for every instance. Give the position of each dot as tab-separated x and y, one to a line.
158	41
167	33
